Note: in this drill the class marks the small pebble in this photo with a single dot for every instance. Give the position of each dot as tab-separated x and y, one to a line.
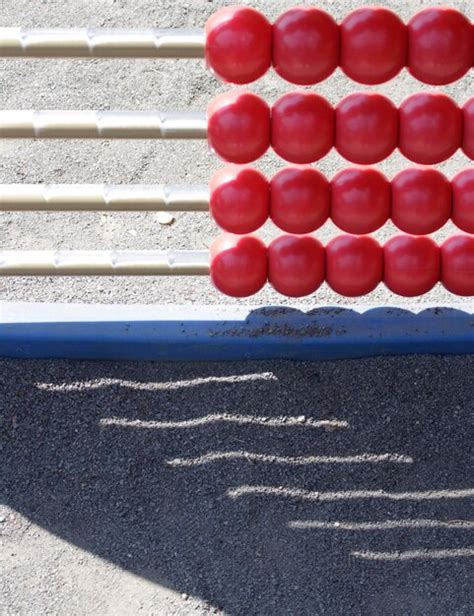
164	218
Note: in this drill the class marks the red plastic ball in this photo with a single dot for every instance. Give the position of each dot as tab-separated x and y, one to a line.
302	127
373	45
421	200
300	199
412	265
463	200
239	199
305	45
430	127
296	265
468	128
360	200
238	264
354	264
366	127
440	45
457	264
238	126
238	44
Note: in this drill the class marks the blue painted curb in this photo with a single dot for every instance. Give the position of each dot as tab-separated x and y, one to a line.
135	332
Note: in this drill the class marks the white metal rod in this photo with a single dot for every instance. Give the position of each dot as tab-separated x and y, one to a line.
100	197
102	124
104	263
102	43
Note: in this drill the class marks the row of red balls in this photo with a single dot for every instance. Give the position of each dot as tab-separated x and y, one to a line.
371	45
351	265
364	127
359	200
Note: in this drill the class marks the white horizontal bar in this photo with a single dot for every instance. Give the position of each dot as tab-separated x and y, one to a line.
93	197
104	263
102	124
36	312
102	43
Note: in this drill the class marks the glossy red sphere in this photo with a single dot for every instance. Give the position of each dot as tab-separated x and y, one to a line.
360	200
295	265
457	264
430	127
440	45
238	264
354	264
239	199
300	199
468	128
421	200
238	44
463	200
373	45
412	264
238	126
302	127
305	45
366	127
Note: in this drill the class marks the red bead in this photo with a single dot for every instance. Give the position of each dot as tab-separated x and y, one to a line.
430	127
440	45
300	199
302	127
468	129
463	200
238	126
360	200
239	199
296	265
412	265
457	264
366	127
373	45
305	45
238	264
238	44
354	264
421	200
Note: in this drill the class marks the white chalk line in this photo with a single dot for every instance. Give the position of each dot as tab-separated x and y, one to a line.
219	456
383	525
308	495
270	422
152	386
415	554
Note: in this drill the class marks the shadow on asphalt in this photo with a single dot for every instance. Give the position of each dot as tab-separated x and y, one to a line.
260	487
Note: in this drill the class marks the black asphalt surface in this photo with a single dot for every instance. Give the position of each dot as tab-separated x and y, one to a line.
260	488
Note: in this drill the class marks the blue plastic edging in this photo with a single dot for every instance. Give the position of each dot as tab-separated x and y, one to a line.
135	332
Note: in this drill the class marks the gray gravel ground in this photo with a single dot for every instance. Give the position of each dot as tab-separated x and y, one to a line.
259	488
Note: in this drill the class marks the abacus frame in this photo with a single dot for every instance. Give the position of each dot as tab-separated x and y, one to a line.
170	332
222	333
